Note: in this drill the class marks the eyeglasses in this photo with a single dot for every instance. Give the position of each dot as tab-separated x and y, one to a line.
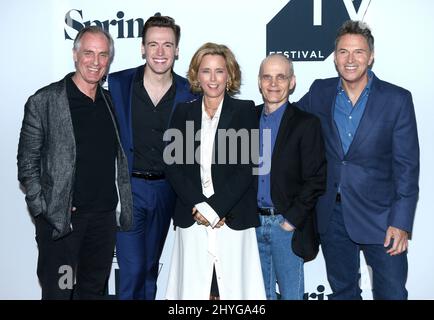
279	78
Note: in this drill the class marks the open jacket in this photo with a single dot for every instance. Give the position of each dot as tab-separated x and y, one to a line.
298	176
121	88
46	159
378	176
234	189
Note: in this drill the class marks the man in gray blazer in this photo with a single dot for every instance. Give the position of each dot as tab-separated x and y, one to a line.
72	167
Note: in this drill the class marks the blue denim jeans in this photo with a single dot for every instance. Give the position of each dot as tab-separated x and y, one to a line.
342	257
278	261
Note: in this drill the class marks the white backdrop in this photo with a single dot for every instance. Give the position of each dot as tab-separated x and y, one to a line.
35	53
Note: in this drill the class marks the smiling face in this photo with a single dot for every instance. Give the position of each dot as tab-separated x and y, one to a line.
92	58
213	76
275	81
160	49
353	58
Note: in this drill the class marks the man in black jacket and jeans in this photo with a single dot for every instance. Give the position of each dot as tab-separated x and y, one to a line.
288	192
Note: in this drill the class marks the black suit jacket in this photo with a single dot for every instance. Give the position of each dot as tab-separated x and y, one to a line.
298	176
234	184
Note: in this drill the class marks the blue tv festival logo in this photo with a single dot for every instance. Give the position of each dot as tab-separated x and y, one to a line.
305	30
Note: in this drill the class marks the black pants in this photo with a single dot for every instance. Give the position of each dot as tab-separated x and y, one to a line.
83	257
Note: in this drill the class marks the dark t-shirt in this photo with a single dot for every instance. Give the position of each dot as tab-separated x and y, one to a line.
96	147
149	124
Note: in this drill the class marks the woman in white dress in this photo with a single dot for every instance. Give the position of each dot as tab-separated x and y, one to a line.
210	166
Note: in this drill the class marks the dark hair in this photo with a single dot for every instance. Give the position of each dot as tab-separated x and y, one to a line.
94	29
158	20
356	27
234	72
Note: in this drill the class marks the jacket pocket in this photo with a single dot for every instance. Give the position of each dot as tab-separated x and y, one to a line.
37	204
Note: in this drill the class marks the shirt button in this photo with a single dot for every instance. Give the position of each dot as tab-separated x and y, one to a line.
349	134
344	163
350	117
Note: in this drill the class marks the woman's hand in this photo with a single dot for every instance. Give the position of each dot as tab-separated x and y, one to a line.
200	219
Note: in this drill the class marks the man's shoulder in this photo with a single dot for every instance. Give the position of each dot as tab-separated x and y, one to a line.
181	81
124	73
327	82
389	87
183	90
179	78
52	88
303	115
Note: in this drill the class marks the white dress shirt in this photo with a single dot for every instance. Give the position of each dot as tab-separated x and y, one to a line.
207	137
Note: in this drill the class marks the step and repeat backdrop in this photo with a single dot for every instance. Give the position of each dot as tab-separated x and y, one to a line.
36	38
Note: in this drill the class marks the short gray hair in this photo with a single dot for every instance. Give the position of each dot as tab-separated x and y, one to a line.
94	29
291	65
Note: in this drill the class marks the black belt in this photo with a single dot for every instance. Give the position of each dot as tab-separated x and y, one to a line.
338	198
267	211
149	175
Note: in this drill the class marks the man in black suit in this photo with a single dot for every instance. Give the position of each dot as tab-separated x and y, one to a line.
288	192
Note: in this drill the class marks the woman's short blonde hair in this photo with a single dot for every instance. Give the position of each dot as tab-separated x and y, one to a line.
234	72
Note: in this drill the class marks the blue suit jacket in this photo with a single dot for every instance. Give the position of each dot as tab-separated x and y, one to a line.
379	174
121	85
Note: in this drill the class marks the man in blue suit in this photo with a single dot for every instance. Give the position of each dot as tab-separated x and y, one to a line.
372	151
144	99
